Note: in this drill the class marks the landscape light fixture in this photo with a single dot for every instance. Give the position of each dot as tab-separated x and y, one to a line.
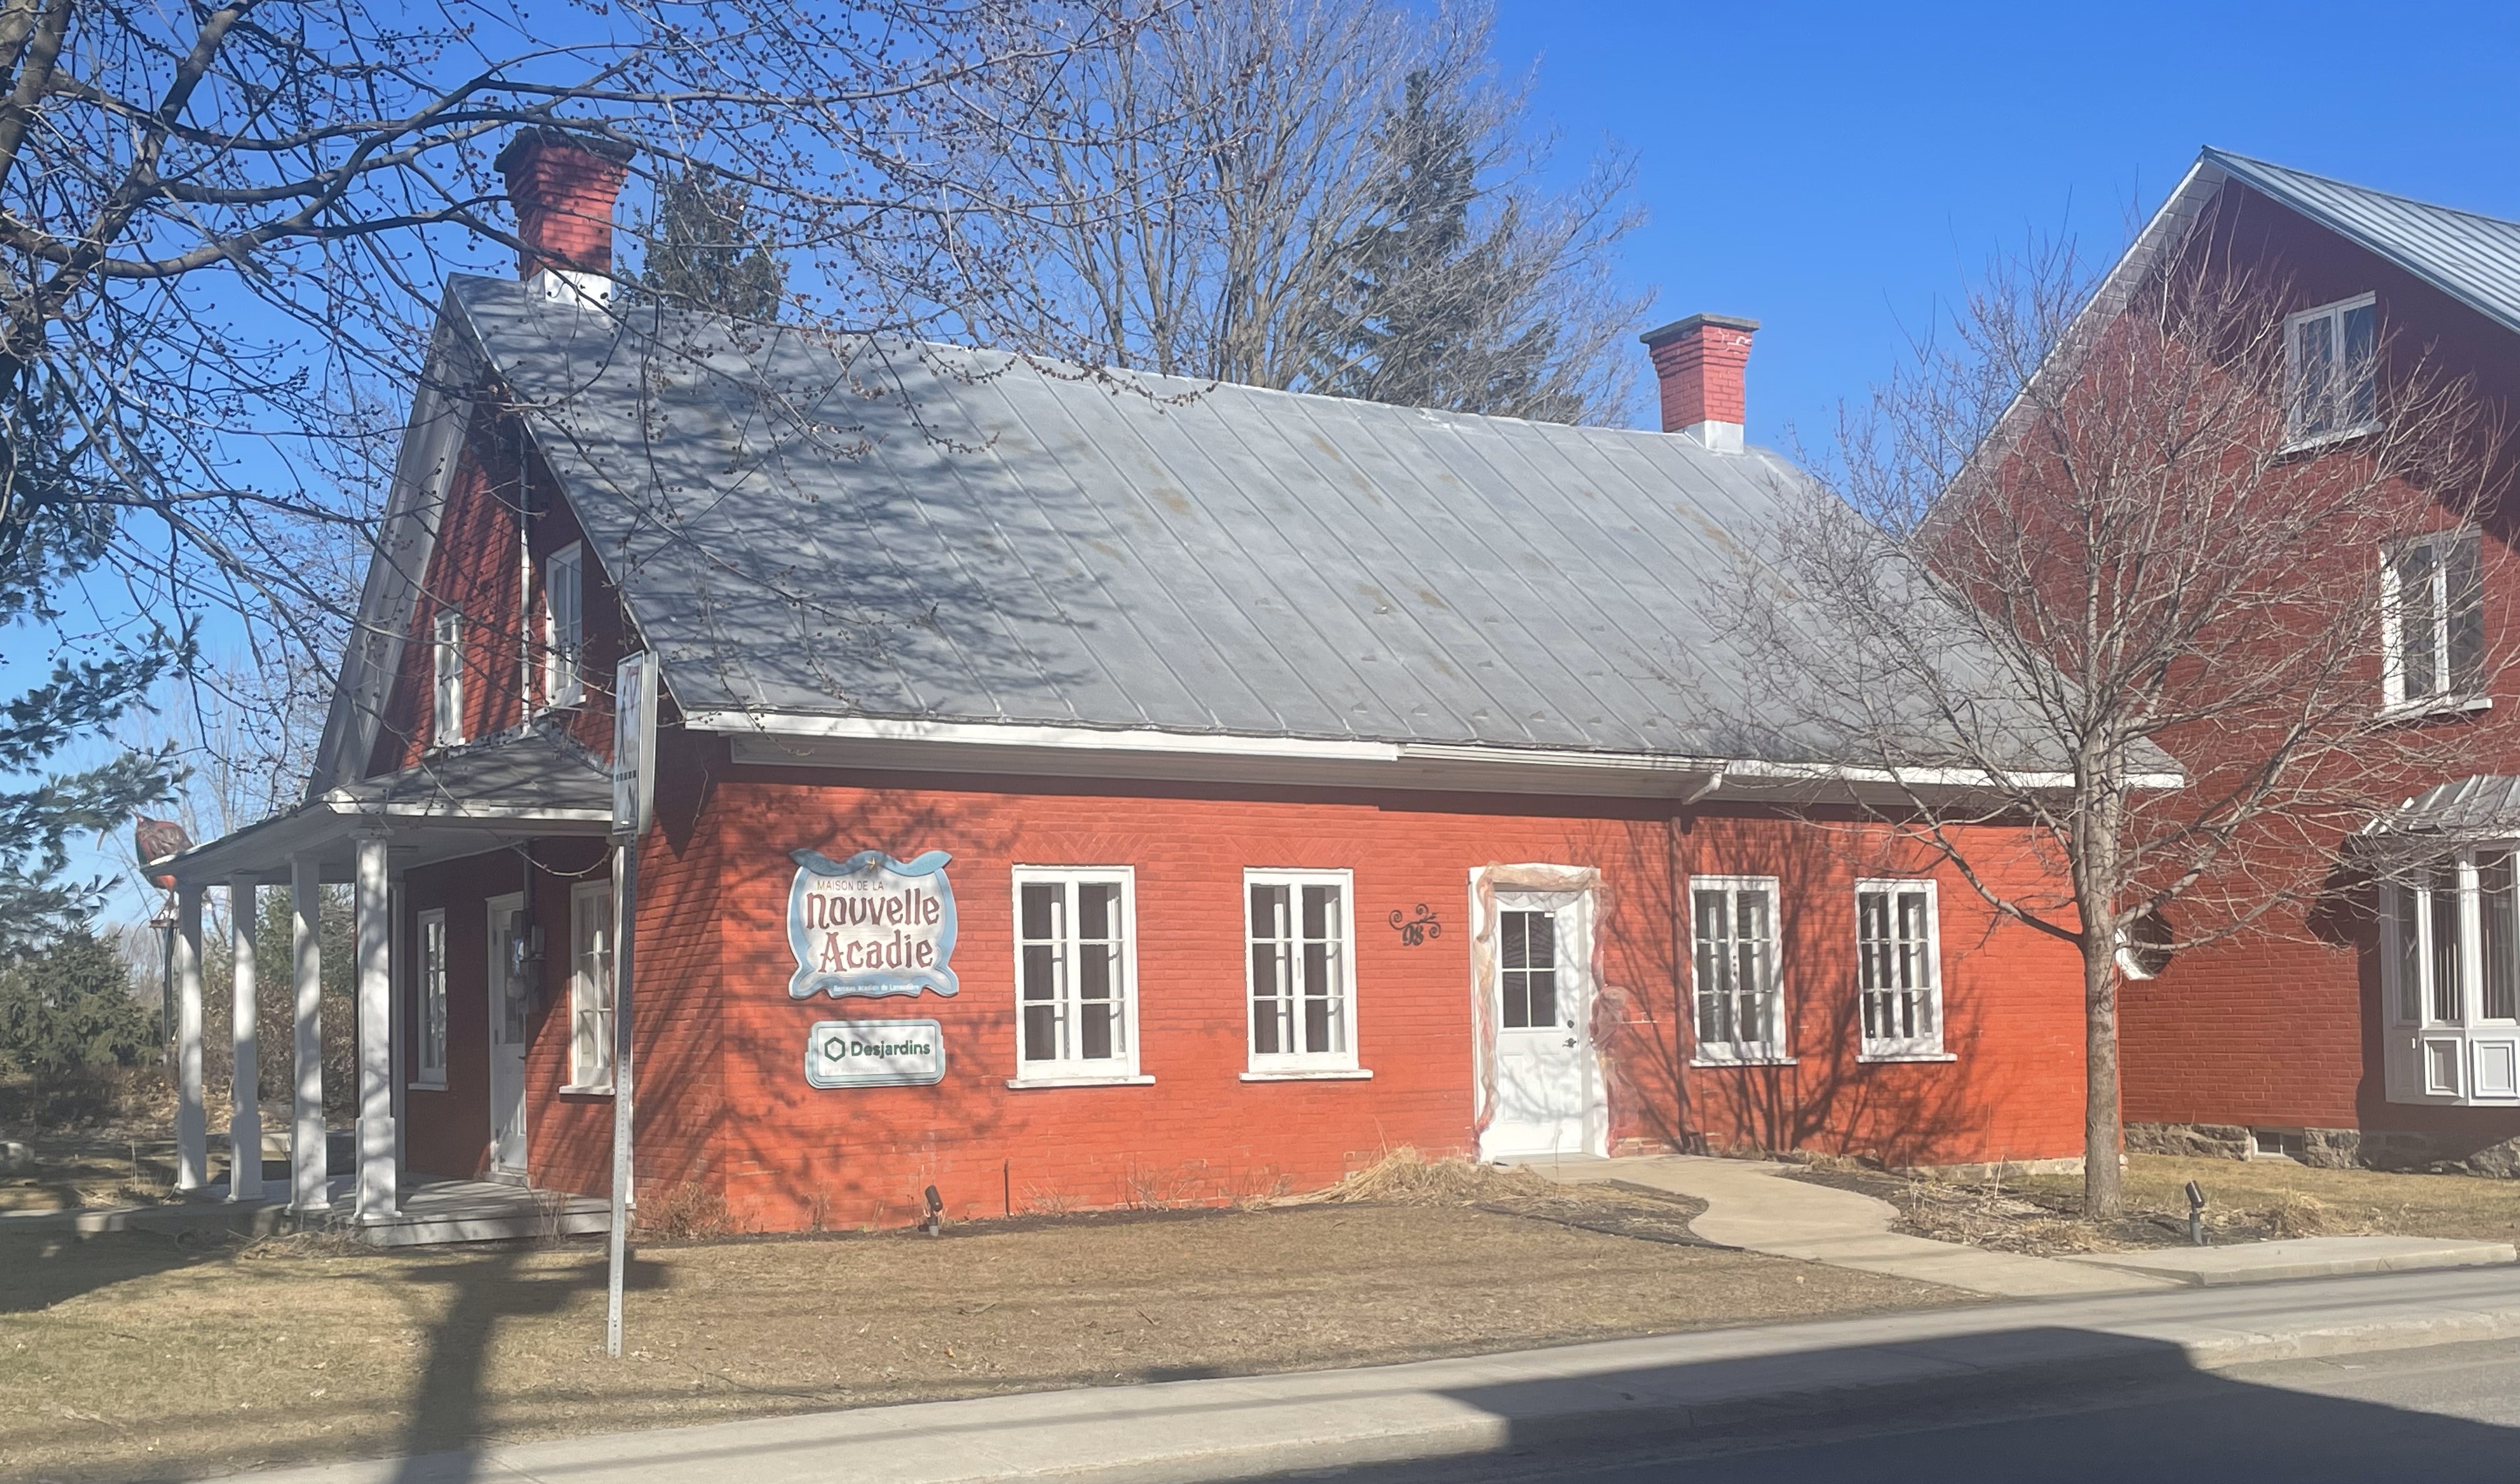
935	1213
2195	1213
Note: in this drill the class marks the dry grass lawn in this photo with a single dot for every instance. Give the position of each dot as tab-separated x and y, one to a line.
2315	1201
2251	1200
129	1357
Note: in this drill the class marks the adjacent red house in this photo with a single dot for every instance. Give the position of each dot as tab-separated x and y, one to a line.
1079	789
2381	1024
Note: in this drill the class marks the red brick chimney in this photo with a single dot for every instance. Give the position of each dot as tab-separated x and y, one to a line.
563	187
1701	361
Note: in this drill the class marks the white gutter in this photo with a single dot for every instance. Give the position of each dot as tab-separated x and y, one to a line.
891	743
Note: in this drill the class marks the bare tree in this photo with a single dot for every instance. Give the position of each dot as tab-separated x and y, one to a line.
224	230
1253	173
2077	539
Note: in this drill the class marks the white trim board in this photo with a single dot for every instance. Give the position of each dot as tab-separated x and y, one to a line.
796	741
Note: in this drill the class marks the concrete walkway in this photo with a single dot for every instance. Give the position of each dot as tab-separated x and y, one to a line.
1713	1383
1753	1205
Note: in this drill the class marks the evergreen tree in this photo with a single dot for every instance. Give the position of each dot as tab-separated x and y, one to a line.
703	251
57	523
70	1012
1430	308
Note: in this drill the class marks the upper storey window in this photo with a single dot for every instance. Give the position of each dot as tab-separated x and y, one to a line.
2329	354
564	627
2433	624
446	657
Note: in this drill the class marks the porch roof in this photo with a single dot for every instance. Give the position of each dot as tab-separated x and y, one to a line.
517	784
2482	806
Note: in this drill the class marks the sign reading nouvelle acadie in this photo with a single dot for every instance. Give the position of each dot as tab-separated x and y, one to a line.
874	1054
871	924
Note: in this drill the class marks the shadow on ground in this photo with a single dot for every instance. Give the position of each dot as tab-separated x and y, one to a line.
2140	1411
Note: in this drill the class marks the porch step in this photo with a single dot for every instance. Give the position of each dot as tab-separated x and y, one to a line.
480	1210
432	1211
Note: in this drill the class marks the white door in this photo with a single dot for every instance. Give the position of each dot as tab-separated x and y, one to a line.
511	1006
1539	995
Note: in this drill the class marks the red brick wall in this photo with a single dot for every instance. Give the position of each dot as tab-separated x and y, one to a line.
723	1101
2281	1026
477	568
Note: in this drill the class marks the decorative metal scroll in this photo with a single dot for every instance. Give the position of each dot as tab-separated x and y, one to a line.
1417	929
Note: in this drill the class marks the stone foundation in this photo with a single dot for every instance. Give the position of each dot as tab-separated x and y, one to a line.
2336	1149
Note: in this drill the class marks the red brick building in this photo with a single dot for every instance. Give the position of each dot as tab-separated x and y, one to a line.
2382	1024
1082	790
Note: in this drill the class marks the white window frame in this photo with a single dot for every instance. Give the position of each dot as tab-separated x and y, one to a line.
1771	1049
430	960
565	635
2297	415
1927	1044
2448	692
1296	1065
2458	1043
1070	1070
592	996
446	675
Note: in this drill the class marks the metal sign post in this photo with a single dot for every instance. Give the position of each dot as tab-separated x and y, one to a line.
634	792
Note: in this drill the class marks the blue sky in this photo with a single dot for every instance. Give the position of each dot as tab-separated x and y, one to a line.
1832	170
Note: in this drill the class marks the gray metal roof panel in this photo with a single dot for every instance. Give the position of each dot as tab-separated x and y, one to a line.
853	527
2472	257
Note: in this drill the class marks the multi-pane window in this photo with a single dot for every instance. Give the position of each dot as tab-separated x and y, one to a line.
2433	619
1733	926
590	987
1297	931
446	662
564	626
2330	387
433	999
1898	968
1527	969
1074	963
2441	978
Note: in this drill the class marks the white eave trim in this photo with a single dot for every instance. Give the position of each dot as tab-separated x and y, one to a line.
796	740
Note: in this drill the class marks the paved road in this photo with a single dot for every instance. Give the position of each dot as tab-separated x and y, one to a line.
2442	1416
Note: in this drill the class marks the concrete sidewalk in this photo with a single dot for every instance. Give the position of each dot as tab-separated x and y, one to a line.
1703	1384
1754	1205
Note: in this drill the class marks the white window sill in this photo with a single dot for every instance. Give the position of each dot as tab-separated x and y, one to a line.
1311	1074
1882	1058
2436	706
427	1084
573	1090
1700	1058
2306	442
1130	1079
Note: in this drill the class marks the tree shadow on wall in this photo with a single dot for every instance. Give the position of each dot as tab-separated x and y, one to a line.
1829	1098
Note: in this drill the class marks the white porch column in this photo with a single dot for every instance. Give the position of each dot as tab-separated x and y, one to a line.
191	1127
376	1195
244	1110
306	1169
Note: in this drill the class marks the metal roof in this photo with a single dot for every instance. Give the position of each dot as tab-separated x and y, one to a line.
855	527
2485	805
2473	258
519	783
